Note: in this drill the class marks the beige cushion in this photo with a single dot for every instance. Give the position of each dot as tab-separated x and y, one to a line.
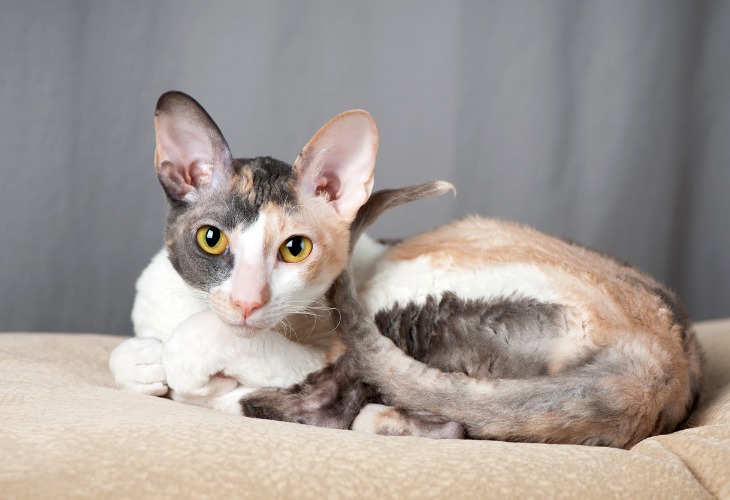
65	430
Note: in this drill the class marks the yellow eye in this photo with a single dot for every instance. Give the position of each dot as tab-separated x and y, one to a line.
211	240
295	249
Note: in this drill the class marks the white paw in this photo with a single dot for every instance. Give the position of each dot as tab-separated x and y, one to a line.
231	403
198	350
136	365
370	417
388	421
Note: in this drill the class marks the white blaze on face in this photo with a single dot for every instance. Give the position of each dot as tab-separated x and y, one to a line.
246	290
249	280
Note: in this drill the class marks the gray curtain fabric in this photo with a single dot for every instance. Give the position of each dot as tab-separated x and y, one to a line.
607	122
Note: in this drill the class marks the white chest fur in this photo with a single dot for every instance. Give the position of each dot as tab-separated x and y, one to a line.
163	300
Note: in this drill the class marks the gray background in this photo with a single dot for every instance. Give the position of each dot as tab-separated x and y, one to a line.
604	121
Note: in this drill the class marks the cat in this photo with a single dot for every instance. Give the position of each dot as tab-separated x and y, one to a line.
235	299
480	329
488	329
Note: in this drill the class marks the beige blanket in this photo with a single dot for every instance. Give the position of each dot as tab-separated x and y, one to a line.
66	431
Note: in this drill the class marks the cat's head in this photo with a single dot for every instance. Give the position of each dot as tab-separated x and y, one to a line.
263	238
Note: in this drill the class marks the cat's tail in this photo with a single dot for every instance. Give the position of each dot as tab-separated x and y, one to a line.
624	394
385	199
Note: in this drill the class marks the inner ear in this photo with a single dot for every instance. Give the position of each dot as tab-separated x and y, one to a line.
191	154
338	162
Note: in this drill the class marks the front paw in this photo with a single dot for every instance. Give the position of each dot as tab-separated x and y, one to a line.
187	373
198	352
136	365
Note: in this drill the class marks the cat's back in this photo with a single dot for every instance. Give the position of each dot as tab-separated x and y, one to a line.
479	257
479	242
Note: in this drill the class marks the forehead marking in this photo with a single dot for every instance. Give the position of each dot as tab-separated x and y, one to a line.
247	245
245	186
276	217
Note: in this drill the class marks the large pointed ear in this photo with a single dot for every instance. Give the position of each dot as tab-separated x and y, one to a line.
338	162
191	154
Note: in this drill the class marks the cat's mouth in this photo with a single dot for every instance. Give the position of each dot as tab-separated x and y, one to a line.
246	326
244	321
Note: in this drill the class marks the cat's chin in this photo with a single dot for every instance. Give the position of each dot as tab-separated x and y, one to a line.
245	332
245	329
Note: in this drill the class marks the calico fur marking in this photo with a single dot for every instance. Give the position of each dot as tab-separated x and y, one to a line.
508	337
682	329
331	397
337	398
616	399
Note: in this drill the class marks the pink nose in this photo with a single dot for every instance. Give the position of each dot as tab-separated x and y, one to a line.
246	308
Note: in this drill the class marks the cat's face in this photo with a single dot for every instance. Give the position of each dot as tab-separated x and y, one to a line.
263	239
262	254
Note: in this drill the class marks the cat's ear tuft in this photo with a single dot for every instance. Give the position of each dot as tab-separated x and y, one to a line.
191	154
338	162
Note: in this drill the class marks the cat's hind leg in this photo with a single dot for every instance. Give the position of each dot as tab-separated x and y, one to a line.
331	397
390	421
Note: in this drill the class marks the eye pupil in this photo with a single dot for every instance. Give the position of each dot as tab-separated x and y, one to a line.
212	236
295	245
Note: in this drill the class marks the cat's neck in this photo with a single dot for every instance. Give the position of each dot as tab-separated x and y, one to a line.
314	327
